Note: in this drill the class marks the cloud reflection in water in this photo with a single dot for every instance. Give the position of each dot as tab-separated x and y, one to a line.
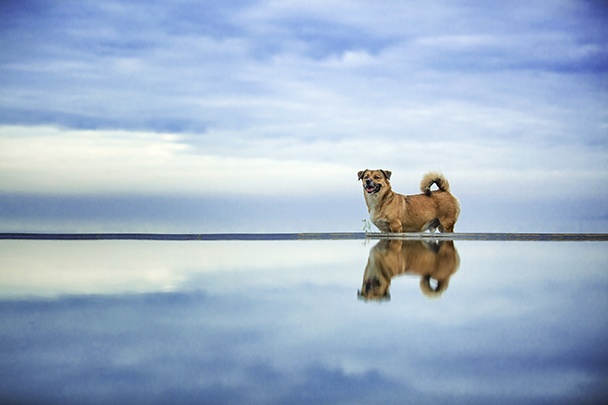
279	322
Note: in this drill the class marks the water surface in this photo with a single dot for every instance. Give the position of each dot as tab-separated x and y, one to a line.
303	321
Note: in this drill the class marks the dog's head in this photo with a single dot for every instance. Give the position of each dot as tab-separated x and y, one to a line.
375	180
374	290
378	271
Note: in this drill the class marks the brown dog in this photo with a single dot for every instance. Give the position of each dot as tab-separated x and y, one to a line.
434	262
392	212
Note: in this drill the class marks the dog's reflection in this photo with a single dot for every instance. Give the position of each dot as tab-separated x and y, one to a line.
433	261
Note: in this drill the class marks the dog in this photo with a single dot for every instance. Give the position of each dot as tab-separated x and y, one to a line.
435	262
393	212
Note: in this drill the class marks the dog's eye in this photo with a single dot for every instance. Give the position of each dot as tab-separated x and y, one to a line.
377	177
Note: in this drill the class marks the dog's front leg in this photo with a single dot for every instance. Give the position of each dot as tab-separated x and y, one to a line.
395	226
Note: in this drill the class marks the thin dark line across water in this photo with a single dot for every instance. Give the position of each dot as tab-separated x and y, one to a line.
309	236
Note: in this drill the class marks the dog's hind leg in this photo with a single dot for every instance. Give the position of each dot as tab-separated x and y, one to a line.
446	227
431	226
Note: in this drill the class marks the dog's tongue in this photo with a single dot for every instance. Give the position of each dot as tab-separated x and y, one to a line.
370	189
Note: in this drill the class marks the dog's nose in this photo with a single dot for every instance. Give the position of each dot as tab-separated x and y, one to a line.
370	284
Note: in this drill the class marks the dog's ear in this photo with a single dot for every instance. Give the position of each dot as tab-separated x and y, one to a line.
387	174
361	173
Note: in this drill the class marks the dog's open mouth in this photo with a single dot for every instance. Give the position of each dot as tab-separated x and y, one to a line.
372	188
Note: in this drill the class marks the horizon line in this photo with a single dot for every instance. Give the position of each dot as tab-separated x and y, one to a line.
482	236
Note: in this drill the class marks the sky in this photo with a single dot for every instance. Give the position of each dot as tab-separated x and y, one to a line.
255	116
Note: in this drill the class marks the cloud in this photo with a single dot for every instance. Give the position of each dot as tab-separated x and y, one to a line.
243	316
134	268
52	161
48	160
187	67
293	92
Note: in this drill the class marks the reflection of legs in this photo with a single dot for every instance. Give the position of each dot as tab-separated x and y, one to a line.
432	245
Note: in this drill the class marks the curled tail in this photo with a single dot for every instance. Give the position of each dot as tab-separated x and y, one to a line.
433	178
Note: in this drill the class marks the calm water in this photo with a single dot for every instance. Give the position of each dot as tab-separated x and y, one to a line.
315	321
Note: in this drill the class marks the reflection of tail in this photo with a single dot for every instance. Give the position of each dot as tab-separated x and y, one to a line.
433	178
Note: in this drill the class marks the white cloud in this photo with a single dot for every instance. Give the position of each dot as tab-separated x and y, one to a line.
48	160
110	267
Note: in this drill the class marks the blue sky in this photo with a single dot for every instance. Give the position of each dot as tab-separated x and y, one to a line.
256	115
